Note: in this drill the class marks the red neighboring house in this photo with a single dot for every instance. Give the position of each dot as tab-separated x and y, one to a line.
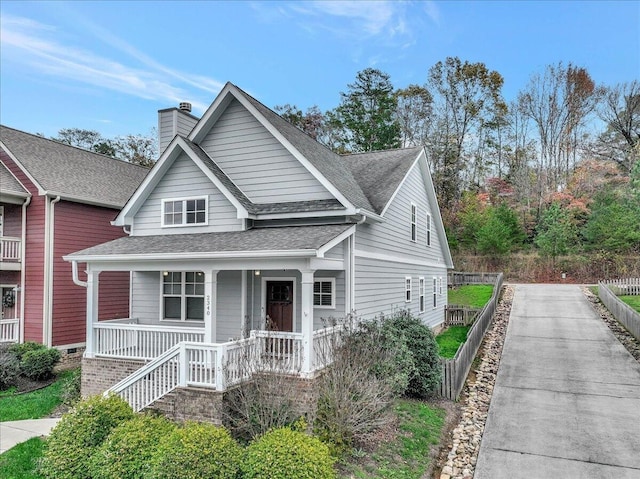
56	199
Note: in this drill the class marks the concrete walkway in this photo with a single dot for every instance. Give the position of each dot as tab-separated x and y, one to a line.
15	432
567	397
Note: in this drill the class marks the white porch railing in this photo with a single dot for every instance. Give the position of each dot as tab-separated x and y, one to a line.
324	342
9	249
218	366
125	339
9	330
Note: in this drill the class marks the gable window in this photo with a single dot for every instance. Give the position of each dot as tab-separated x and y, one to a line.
435	292
407	289
421	294
183	296
428	230
414	222
324	293
184	212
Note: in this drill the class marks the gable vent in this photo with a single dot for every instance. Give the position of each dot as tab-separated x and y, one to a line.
185	106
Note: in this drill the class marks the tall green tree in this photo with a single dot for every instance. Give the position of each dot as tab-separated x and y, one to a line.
366	114
466	96
557	233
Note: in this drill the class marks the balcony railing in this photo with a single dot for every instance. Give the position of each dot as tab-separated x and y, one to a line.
10	249
9	330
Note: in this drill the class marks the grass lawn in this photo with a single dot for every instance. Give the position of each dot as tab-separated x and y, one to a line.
633	301
20	461
450	340
407	456
472	295
33	405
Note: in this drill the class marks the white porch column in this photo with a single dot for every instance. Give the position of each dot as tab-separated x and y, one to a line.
210	305
93	286
307	321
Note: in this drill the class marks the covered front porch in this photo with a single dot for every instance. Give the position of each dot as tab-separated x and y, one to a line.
194	320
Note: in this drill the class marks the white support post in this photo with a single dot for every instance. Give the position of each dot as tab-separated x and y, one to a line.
221	359
183	366
93	287
307	321
210	305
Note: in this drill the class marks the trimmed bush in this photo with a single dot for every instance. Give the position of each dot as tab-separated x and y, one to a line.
196	451
286	454
38	364
427	375
9	368
79	433
127	451
71	388
21	349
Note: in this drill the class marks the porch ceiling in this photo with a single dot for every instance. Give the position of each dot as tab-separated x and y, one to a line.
259	242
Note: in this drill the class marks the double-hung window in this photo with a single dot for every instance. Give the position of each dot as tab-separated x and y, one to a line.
414	222
183	296
324	293
184	211
407	289
428	230
435	292
421	294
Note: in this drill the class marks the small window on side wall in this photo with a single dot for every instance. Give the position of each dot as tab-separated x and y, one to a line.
421	300
414	222
407	289
324	296
428	230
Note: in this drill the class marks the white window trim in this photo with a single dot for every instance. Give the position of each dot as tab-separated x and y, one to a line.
440	281
183	302
428	230
407	288
435	292
414	222
421	295
333	292
184	211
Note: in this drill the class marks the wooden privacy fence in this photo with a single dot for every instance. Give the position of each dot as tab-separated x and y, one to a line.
455	315
608	291
455	371
458	278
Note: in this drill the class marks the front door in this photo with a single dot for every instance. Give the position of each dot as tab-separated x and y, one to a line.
280	305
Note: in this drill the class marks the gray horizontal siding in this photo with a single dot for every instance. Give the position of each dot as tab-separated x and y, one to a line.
380	289
185	179
394	235
337	252
228	306
257	162
145	303
171	123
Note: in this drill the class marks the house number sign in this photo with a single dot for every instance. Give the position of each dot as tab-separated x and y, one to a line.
208	305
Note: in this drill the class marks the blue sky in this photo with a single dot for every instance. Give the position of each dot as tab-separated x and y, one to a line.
109	66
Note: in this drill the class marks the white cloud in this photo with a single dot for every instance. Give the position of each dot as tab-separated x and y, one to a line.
38	46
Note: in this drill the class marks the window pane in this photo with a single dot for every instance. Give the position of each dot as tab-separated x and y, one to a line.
316	287
172	308
200	217
191	217
326	300
316	299
200	205
191	205
195	308
326	287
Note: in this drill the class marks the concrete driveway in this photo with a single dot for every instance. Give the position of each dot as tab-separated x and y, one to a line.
567	397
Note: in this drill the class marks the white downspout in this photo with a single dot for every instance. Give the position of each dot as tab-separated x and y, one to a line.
23	270
47	308
74	274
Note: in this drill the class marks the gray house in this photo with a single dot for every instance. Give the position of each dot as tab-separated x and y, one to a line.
247	233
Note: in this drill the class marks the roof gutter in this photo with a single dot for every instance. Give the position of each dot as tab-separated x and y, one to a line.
74	274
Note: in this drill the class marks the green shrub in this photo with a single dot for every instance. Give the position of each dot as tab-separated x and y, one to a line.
127	451
196	451
427	375
79	433
9	368
71	388
21	349
286	454
38	364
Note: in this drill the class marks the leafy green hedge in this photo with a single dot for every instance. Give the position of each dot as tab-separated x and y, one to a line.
286	454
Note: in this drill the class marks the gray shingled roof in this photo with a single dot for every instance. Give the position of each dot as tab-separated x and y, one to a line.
73	172
326	161
255	240
9	184
380	172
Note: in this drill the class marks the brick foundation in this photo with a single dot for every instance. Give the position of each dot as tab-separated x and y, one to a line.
98	375
190	403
